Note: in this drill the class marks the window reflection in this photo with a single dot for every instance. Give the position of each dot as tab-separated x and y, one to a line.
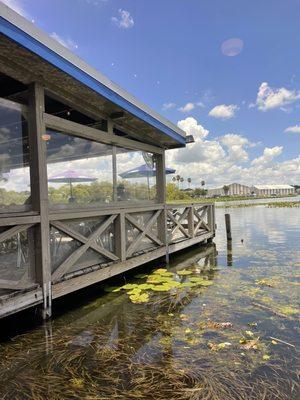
136	179
79	171
14	158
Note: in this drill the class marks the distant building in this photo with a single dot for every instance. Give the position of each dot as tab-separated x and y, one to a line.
235	189
269	190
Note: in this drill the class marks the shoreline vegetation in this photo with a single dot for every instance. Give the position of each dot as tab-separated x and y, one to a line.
278	204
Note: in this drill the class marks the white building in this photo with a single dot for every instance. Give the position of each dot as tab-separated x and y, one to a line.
269	190
234	189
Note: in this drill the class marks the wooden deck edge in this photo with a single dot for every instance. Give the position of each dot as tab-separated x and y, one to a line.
26	300
21	302
69	286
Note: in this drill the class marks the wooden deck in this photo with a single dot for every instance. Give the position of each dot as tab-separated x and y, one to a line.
123	239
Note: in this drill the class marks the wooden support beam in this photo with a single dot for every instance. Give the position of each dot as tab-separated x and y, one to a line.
144	233
201	223
117	115
77	236
120	236
86	132
39	190
148	234
191	222
178	224
71	260
13	231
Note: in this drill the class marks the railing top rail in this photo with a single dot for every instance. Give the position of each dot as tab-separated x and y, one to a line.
101	211
178	205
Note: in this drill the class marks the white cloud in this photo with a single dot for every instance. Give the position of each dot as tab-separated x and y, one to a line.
124	21
236	146
226	160
95	2
223	111
268	155
187	108
68	43
269	98
17	6
168	106
191	127
293	129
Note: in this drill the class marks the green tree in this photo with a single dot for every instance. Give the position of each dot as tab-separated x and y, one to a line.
226	189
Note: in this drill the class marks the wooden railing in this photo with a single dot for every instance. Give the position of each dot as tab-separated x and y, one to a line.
81	242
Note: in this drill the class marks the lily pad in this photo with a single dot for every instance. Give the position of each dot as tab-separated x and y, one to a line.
200	281
139	298
184	272
129	286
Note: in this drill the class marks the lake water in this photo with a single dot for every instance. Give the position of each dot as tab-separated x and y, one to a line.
232	334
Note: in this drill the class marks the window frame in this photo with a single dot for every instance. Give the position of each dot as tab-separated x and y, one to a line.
21	209
85	132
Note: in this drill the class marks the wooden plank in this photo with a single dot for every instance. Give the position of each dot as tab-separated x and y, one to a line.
161	196
20	302
201	222
120	236
137	241
77	236
105	210
39	185
189	242
191	222
30	219
178	222
13	231
15	285
161	178
70	261
65	287
73	128
149	234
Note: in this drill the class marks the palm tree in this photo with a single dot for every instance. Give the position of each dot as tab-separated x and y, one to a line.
202	183
189	182
181	179
178	179
226	189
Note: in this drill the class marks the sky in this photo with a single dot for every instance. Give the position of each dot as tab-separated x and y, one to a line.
227	72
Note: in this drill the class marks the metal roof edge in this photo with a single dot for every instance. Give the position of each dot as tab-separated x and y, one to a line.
27	35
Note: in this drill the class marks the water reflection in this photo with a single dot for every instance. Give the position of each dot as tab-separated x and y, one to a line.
204	341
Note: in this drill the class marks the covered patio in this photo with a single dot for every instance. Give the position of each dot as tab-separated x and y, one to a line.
69	138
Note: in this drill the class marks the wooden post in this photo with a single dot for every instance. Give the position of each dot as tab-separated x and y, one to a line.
229	253
161	198
120	236
191	223
228	227
39	192
211	220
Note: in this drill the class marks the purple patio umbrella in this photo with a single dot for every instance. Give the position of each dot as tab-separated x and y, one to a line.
71	177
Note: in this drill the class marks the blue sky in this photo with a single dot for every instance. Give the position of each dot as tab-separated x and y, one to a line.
168	54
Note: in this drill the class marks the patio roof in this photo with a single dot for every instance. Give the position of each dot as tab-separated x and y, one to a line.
47	58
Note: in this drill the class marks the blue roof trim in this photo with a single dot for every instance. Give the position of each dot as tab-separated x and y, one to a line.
49	55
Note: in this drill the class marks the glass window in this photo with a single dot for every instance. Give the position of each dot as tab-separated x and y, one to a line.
14	158
79	171
15	259
136	175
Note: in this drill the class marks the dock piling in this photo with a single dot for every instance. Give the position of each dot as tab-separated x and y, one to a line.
228	227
